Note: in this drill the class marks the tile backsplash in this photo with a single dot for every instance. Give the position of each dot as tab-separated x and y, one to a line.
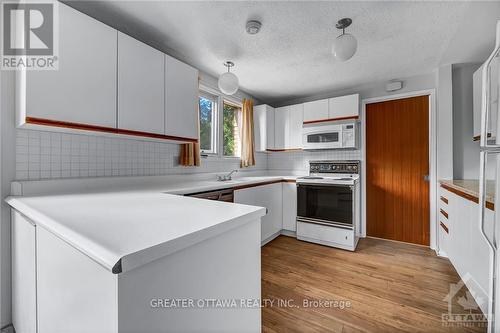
50	155
299	160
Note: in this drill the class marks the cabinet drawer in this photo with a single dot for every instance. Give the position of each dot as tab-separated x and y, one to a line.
444	239
343	238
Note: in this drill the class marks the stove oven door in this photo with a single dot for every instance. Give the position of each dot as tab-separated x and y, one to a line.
326	204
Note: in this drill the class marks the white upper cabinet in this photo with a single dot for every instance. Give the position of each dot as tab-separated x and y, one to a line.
260	127
270	121
295	126
140	86
316	110
343	107
83	89
493	102
288	127
181	99
281	127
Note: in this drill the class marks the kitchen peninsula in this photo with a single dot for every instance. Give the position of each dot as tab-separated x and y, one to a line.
100	260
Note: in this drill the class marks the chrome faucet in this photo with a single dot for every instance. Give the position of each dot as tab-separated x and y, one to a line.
226	177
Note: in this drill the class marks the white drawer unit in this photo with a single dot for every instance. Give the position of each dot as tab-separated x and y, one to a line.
461	241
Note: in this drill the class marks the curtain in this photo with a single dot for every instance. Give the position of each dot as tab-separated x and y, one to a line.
190	154
247	139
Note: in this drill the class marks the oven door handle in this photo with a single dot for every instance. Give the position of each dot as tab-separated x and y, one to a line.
301	183
328	224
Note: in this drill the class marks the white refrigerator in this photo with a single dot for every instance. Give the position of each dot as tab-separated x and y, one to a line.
489	171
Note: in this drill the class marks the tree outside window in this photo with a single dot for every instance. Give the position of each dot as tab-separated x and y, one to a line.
231	129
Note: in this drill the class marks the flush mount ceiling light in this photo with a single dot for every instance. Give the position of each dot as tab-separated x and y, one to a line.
345	45
253	27
228	82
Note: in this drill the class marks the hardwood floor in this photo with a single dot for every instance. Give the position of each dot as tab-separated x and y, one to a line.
392	287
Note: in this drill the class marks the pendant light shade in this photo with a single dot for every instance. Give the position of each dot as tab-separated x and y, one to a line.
345	45
228	82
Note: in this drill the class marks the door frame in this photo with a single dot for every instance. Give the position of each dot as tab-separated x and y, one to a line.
432	157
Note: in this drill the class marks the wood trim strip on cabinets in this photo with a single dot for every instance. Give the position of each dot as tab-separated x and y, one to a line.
489	205
445	214
281	150
329	119
443	199
102	129
478	137
241	187
445	228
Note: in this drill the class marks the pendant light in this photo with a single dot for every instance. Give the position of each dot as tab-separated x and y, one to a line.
345	45
228	82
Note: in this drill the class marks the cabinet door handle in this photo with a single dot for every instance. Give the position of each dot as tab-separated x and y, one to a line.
445	214
445	200
445	228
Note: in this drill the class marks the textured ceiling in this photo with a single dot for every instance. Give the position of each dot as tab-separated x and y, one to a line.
291	56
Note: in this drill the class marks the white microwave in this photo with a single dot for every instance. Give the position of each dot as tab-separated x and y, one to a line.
331	136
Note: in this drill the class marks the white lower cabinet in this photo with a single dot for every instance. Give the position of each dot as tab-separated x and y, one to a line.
289	206
269	196
461	241
58	288
23	274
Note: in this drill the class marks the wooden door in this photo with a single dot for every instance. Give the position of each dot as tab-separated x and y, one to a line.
397	161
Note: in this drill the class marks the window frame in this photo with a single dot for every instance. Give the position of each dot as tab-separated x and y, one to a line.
215	122
204	91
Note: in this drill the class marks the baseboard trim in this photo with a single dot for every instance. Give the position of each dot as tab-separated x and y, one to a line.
270	238
289	233
8	329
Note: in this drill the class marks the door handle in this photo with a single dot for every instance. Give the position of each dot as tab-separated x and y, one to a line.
427	178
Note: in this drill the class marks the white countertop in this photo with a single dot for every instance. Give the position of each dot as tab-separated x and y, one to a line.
127	226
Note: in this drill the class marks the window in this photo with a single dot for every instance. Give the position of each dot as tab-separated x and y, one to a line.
231	129
208	123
